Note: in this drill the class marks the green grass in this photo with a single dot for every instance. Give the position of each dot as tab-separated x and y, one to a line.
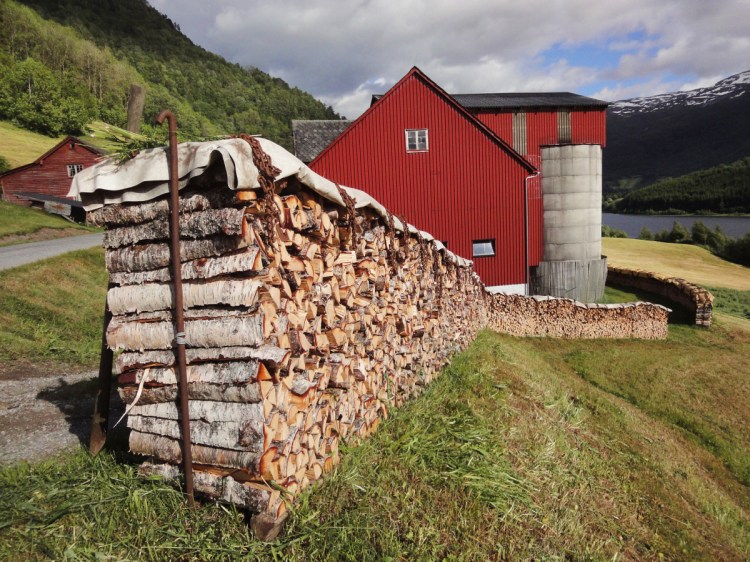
511	454
730	301
690	262
17	223
530	448
52	310
20	146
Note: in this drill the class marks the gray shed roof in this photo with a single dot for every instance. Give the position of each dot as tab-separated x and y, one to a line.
312	137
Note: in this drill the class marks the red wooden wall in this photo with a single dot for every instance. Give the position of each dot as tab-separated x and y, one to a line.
588	126
49	174
466	187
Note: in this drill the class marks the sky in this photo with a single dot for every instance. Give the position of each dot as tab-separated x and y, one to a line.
342	52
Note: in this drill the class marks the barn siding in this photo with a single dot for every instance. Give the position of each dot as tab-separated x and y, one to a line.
48	175
588	127
465	188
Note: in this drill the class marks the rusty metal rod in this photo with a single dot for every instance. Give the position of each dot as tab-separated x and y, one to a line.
174	246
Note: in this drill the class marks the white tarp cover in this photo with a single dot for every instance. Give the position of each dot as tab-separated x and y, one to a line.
146	177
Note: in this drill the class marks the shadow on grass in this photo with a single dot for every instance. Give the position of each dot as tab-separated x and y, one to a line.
76	403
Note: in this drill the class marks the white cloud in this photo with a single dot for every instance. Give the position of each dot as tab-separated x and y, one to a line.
341	51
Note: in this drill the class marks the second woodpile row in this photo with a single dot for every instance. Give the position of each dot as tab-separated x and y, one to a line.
688	296
565	318
305	324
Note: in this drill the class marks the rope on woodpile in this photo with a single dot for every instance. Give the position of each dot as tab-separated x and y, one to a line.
391	227
437	258
351	213
404	234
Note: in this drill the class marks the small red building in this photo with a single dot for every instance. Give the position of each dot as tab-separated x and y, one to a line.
466	167
47	179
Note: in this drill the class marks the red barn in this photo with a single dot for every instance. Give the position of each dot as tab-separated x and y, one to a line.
425	157
465	168
47	179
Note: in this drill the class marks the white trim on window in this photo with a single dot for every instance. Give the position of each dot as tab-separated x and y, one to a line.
417	140
483	248
73	169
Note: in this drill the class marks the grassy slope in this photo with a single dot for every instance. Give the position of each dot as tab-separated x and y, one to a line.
525	448
20	146
680	260
52	310
511	454
18	221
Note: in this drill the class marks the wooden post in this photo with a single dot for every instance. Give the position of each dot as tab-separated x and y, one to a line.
98	437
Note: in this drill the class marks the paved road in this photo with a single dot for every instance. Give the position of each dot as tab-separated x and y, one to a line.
21	254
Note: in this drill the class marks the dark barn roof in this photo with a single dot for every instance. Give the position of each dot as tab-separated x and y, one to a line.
522	100
513	100
311	137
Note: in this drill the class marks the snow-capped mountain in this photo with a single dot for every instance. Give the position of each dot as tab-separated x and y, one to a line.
668	135
728	88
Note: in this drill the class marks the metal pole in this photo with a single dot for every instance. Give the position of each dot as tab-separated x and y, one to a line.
526	228
174	234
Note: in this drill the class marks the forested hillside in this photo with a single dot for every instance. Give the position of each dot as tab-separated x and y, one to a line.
64	63
722	189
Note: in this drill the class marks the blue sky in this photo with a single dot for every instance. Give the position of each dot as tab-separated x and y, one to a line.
343	52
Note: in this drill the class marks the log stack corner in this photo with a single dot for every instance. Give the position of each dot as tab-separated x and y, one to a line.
310	312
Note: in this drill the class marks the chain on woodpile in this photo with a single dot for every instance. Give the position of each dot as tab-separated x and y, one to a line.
351	213
405	232
267	173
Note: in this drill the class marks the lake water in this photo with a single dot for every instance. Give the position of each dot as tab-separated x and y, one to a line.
632	224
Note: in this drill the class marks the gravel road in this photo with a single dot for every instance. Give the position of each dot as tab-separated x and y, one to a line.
43	414
21	254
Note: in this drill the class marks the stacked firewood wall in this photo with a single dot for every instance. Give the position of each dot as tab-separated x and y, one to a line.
686	295
305	324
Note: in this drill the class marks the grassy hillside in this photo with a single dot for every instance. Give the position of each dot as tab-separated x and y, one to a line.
51	311
721	189
693	263
66	63
23	224
523	449
20	146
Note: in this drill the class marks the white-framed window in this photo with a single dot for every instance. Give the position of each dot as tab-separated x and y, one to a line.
417	140
482	248
73	169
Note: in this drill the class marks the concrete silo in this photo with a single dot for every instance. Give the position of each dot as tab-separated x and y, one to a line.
572	265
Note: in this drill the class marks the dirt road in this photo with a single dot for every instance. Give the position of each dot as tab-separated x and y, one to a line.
42	413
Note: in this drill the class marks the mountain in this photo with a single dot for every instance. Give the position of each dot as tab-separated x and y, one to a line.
669	135
90	51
